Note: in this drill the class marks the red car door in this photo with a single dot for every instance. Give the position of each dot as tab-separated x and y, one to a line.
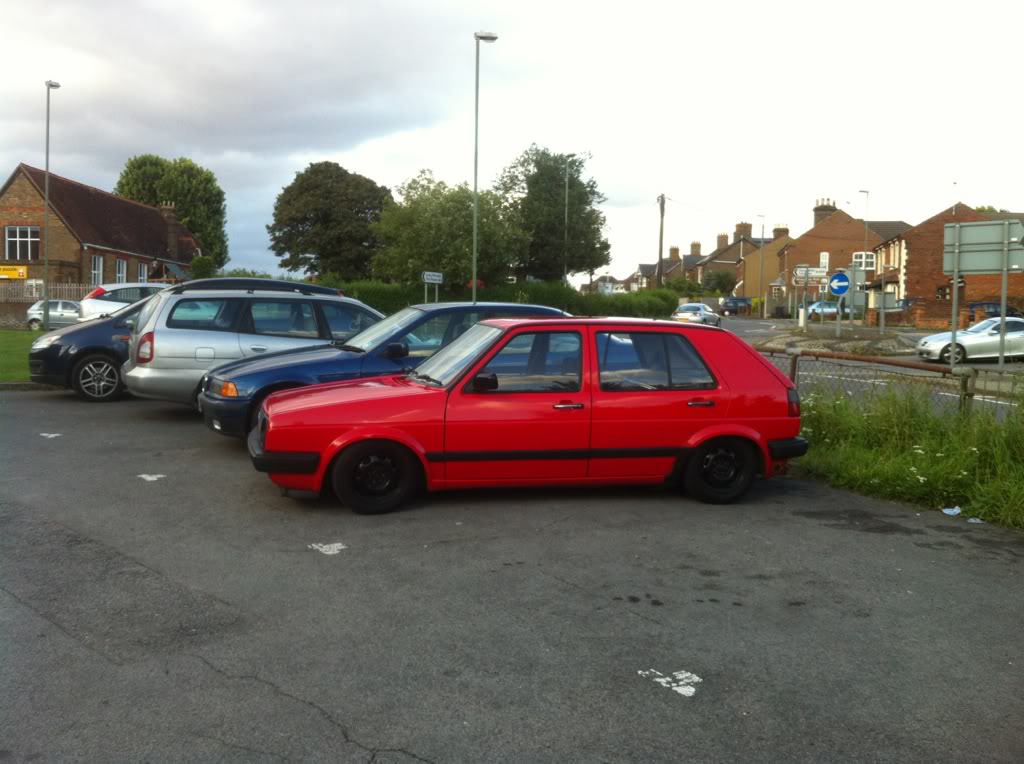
528	420
652	391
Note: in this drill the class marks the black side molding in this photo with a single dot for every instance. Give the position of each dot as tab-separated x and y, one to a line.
292	462
790	448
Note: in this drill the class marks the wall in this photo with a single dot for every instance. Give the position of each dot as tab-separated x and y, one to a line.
21	204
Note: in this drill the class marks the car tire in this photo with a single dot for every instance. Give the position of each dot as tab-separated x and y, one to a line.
961	354
720	471
35	324
376	476
97	379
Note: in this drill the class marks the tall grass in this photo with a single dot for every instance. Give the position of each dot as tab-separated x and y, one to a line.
897	446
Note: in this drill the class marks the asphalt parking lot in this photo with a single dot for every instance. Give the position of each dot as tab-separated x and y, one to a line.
161	601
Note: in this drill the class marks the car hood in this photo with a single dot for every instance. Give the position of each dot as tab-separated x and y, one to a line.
316	398
304	356
71	329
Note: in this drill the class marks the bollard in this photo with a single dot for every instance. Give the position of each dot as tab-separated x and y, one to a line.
968	383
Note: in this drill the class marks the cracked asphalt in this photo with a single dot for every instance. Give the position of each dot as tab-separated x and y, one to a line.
187	617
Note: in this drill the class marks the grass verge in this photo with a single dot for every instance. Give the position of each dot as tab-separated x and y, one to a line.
896	446
14	347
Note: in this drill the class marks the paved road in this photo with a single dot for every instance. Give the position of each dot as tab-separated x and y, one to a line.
185	616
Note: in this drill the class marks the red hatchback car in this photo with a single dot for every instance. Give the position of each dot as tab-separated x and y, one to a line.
530	402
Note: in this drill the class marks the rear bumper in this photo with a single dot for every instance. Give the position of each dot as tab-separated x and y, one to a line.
790	448
178	385
281	462
227	417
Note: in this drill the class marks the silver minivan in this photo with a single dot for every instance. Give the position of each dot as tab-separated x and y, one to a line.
188	329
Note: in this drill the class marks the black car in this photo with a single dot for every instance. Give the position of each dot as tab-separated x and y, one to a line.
86	357
732	306
993	309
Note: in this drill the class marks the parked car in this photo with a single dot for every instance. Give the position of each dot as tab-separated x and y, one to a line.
193	327
697	313
733	306
86	357
993	309
62	313
978	341
826	309
534	402
231	394
106	298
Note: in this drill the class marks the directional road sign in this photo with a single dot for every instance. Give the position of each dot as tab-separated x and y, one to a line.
839	284
432	277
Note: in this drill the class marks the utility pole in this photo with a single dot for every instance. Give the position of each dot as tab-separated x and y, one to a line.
661	236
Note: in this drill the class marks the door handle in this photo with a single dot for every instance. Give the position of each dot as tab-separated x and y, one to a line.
567	406
701	404
258	348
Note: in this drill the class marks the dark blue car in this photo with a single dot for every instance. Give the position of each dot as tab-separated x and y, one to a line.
86	357
231	394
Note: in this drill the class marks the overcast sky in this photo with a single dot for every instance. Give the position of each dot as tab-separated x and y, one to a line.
732	109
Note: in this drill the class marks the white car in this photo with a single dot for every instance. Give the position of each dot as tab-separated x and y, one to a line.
979	341
106	298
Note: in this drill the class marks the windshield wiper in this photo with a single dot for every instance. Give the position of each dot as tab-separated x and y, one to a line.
350	348
428	379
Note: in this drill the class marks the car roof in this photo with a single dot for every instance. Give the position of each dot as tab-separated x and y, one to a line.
432	306
129	285
509	323
207	293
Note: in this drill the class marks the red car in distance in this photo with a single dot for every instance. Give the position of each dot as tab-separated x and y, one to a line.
534	402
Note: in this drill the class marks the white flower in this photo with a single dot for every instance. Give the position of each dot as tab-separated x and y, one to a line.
940	454
922	478
974	449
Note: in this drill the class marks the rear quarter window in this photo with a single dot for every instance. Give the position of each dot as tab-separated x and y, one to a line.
211	314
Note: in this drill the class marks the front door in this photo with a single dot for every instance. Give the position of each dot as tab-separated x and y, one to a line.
534	427
654	391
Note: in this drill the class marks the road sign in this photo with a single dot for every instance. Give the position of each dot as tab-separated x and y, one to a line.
13	271
982	245
809	272
432	277
839	284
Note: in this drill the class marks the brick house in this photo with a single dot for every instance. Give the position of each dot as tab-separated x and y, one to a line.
838	234
728	255
95	236
913	261
748	272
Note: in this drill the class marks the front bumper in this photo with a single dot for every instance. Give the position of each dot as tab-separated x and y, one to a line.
930	353
790	448
224	415
47	367
280	462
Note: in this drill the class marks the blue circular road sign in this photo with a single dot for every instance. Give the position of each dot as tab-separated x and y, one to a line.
839	283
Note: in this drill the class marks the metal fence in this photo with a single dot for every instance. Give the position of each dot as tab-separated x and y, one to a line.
30	291
861	378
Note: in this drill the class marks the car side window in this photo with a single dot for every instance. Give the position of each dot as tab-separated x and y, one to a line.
426	338
211	314
634	361
282	318
541	362
345	320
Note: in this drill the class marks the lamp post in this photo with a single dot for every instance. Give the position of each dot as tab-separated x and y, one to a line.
485	37
50	85
760	279
565	254
864	321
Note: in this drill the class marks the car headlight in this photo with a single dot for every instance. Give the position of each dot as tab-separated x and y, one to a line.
45	341
225	388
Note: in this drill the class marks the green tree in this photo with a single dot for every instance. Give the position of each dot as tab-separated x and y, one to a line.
431	229
533	190
989	208
684	286
198	198
722	282
322	221
203	267
245	273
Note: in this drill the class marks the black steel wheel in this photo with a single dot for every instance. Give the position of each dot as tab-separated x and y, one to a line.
721	470
97	379
376	476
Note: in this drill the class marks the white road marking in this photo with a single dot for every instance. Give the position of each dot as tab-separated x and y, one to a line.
151	478
50	435
328	548
681	681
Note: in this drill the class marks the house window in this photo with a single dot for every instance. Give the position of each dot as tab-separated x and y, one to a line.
143	273
864	260
22	242
121	276
823	259
97	270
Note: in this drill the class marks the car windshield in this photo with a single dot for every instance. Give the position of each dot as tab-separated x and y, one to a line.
450	361
689	309
369	338
984	326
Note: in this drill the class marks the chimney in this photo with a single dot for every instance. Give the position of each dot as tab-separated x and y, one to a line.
779	231
171	222
743	229
823	208
695	248
673	254
723	240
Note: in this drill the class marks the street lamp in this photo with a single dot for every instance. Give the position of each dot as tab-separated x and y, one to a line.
760	278
485	37
565	269
50	85
881	313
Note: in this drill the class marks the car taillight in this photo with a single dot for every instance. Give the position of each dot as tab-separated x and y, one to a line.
793	399
97	292
144	353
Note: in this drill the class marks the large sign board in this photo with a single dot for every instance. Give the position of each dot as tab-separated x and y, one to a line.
804	275
13	271
982	245
432	277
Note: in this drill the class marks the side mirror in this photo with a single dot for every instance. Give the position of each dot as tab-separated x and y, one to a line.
396	350
485	383
130	322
